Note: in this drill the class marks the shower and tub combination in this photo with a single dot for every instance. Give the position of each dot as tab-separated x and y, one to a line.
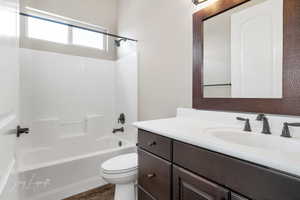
72	106
68	168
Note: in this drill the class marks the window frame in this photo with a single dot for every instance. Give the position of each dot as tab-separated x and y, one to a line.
70	33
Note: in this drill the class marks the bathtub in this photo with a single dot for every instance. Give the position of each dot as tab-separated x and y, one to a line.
70	167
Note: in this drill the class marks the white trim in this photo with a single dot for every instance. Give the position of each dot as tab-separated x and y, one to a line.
6	122
66	19
5	178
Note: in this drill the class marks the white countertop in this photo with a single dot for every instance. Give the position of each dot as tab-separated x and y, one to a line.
193	131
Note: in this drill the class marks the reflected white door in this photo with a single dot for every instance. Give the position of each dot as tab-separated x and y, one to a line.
9	89
256	51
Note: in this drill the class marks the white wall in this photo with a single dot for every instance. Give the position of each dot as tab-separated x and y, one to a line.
65	96
217	44
164	31
99	12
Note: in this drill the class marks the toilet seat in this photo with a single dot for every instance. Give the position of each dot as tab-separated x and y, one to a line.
126	163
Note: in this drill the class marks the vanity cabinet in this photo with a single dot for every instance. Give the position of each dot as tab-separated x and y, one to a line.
187	172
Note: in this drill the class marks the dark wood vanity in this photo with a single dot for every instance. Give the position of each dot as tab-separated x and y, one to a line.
170	169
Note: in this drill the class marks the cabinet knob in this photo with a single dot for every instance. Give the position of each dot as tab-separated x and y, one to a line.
150	176
150	144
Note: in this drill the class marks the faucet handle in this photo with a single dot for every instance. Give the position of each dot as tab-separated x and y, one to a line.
260	117
247	123
294	124
266	125
286	131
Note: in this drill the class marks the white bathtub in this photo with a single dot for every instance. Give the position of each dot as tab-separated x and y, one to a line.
70	167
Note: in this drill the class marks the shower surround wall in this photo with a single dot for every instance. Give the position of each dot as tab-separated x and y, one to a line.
127	87
65	96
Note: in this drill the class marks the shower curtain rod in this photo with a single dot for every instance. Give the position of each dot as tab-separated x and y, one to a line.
75	26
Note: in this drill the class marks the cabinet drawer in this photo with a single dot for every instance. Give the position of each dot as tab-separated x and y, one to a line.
188	186
154	175
158	145
253	181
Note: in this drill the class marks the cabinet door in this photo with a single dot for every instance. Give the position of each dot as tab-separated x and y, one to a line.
188	186
142	195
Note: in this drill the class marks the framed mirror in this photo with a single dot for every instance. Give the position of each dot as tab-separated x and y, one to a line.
245	56
242	51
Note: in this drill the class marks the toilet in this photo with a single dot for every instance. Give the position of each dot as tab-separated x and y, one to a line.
122	171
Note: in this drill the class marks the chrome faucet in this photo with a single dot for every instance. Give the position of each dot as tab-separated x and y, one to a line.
286	131
247	123
266	126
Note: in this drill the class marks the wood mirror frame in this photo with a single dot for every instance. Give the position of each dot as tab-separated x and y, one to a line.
290	103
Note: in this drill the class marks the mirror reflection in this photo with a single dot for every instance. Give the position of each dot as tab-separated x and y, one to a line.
243	50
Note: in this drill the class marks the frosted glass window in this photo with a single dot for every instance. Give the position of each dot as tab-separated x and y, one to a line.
88	38
45	30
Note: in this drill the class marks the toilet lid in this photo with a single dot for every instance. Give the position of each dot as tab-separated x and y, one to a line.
121	164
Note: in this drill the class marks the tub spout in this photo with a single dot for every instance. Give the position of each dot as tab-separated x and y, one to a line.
118	130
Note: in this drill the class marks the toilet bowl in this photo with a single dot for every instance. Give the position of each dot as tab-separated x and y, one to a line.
122	171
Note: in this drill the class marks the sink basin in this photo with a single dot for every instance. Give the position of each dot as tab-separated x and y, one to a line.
257	140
